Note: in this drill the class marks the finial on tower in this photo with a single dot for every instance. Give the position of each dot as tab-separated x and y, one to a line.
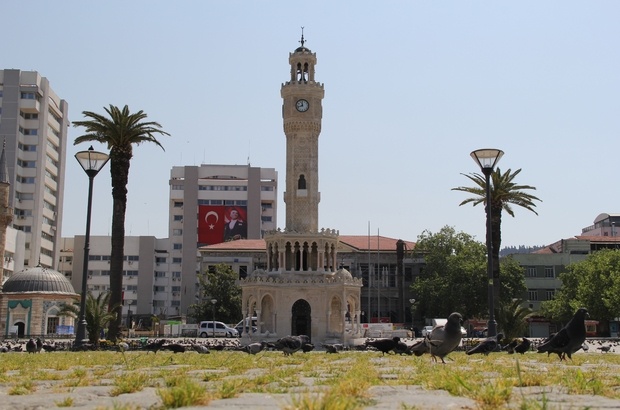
302	41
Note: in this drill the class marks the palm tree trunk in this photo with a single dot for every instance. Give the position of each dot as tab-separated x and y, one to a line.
120	175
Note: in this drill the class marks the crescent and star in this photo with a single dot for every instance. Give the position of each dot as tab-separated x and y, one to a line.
217	217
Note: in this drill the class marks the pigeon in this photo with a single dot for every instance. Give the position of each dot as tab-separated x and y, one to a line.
200	349
307	347
175	348
31	346
510	347
154	346
39	344
290	344
254	348
569	339
524	346
442	340
604	349
383	345
402	348
333	347
122	346
488	345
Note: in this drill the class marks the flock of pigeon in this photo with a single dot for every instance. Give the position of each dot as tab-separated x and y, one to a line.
445	339
440	342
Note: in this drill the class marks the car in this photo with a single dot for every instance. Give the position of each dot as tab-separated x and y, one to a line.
426	330
210	328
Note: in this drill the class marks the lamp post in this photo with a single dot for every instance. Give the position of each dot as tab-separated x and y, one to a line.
412	301
92	162
487	159
213	302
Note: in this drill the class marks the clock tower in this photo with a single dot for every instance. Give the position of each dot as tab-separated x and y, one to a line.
302	113
302	291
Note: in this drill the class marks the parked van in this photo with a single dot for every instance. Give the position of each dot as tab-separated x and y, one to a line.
210	328
250	325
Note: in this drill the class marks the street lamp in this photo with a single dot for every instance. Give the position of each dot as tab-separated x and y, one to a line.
412	301
487	159
213	302
92	162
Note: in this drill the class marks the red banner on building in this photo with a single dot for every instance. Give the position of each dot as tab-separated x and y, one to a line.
218	224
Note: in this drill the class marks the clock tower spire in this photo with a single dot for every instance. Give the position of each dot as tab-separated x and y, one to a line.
302	113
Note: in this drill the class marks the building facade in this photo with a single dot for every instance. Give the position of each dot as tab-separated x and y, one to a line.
199	197
33	125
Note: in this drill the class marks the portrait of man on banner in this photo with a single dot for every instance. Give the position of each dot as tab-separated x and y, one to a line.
235	224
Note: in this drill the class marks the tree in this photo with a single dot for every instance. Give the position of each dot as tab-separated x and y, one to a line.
512	318
220	284
119	132
97	314
454	276
593	283
504	193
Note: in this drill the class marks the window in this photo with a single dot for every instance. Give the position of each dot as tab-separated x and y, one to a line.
176	275
532	294
27	147
52	324
177	187
549	272
25	180
178	204
28	96
301	183
175	288
530	271
177	260
160	260
178	218
549	294
177	246
30	131
266	218
26	164
159	289
159	274
177	232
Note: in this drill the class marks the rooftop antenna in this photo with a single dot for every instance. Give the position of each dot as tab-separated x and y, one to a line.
302	41
249	151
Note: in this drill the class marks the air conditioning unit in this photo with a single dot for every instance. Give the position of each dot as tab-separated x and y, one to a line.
157	263
175	293
130	262
134	291
90	276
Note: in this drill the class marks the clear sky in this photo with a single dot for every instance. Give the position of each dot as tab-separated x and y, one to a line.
411	88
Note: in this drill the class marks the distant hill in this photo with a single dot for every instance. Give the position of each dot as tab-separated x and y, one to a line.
509	250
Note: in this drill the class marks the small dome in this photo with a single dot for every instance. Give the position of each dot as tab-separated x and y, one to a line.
343	274
38	280
302	49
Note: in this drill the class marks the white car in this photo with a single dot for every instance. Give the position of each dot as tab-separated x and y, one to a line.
216	329
426	330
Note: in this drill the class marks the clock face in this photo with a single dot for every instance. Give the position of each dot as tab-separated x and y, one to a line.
302	105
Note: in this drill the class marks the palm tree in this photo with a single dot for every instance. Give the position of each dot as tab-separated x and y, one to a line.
504	193
98	315
512	319
119	132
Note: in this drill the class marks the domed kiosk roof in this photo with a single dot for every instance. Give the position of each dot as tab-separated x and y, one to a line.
38	280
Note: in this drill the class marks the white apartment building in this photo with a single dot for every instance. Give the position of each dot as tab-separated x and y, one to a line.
160	274
33	125
198	193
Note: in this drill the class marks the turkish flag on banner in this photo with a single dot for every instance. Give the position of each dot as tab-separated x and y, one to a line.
211	224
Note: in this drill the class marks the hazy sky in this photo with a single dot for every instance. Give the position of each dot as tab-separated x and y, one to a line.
411	88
